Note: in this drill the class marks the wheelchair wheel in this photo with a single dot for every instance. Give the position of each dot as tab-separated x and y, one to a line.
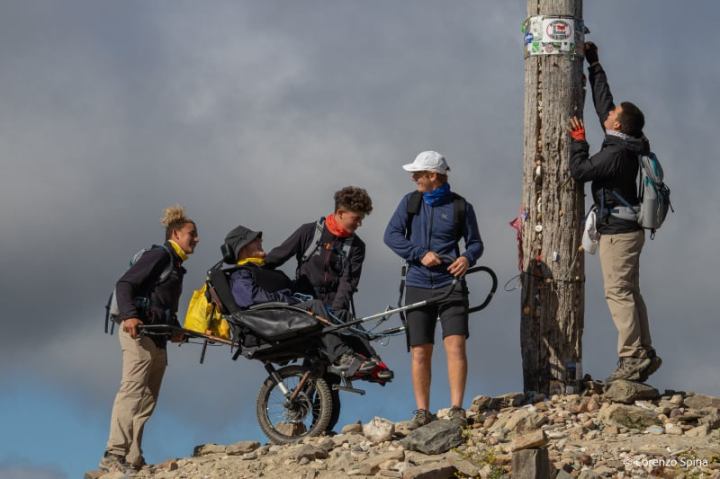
335	416
285	421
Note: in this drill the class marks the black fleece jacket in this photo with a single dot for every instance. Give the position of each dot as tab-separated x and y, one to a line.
322	275
614	168
141	280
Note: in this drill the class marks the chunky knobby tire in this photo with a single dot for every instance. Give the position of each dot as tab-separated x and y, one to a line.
332	380
308	415
335	416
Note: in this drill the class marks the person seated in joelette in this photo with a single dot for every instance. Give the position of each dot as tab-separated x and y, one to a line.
251	284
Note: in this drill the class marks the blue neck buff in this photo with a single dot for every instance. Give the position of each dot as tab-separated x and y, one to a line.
438	195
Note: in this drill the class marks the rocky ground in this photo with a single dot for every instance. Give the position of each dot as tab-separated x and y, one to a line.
630	430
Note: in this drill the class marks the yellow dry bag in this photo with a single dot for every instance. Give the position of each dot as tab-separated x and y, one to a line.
203	317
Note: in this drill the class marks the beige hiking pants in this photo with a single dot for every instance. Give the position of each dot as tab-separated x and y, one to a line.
620	263
143	366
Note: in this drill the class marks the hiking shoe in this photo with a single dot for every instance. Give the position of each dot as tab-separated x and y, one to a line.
367	366
421	417
139	464
354	365
457	414
629	369
113	463
655	363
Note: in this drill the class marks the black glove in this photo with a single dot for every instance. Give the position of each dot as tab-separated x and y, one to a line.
591	53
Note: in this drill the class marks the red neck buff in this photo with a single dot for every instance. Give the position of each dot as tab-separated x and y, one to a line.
336	228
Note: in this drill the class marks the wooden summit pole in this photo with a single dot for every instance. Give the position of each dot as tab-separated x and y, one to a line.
553	269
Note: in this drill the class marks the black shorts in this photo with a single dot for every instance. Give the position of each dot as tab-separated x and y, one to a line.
453	312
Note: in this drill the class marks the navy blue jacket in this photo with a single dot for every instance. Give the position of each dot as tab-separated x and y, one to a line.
432	230
246	291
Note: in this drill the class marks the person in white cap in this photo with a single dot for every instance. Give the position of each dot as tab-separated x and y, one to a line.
426	229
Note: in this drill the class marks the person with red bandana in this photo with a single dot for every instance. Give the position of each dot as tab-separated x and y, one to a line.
329	252
253	284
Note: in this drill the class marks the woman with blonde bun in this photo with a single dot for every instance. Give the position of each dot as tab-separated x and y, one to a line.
148	293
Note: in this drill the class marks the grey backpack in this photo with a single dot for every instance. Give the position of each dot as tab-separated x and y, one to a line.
654	194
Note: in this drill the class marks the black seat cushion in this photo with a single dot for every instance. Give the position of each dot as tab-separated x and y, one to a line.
275	322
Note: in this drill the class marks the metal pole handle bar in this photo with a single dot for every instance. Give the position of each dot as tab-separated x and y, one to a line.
390	312
474	309
168	330
493	288
388	332
420	304
485	269
158	329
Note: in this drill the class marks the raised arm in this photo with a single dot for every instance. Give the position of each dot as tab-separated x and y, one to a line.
602	97
293	246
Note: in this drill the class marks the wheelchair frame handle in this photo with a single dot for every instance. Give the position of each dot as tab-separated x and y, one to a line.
436	299
449	259
493	288
169	330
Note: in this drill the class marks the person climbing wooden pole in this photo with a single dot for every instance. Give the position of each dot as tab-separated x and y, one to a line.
552	213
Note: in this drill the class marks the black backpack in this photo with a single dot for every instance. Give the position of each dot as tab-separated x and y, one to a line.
459	207
312	250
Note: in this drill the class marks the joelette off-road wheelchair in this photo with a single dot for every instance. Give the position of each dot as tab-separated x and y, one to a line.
301	395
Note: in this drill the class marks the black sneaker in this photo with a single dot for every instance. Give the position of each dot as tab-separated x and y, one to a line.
458	415
629	369
420	418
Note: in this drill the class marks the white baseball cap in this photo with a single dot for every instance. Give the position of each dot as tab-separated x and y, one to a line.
428	161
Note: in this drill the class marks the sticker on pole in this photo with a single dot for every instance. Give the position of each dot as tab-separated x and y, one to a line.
548	35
